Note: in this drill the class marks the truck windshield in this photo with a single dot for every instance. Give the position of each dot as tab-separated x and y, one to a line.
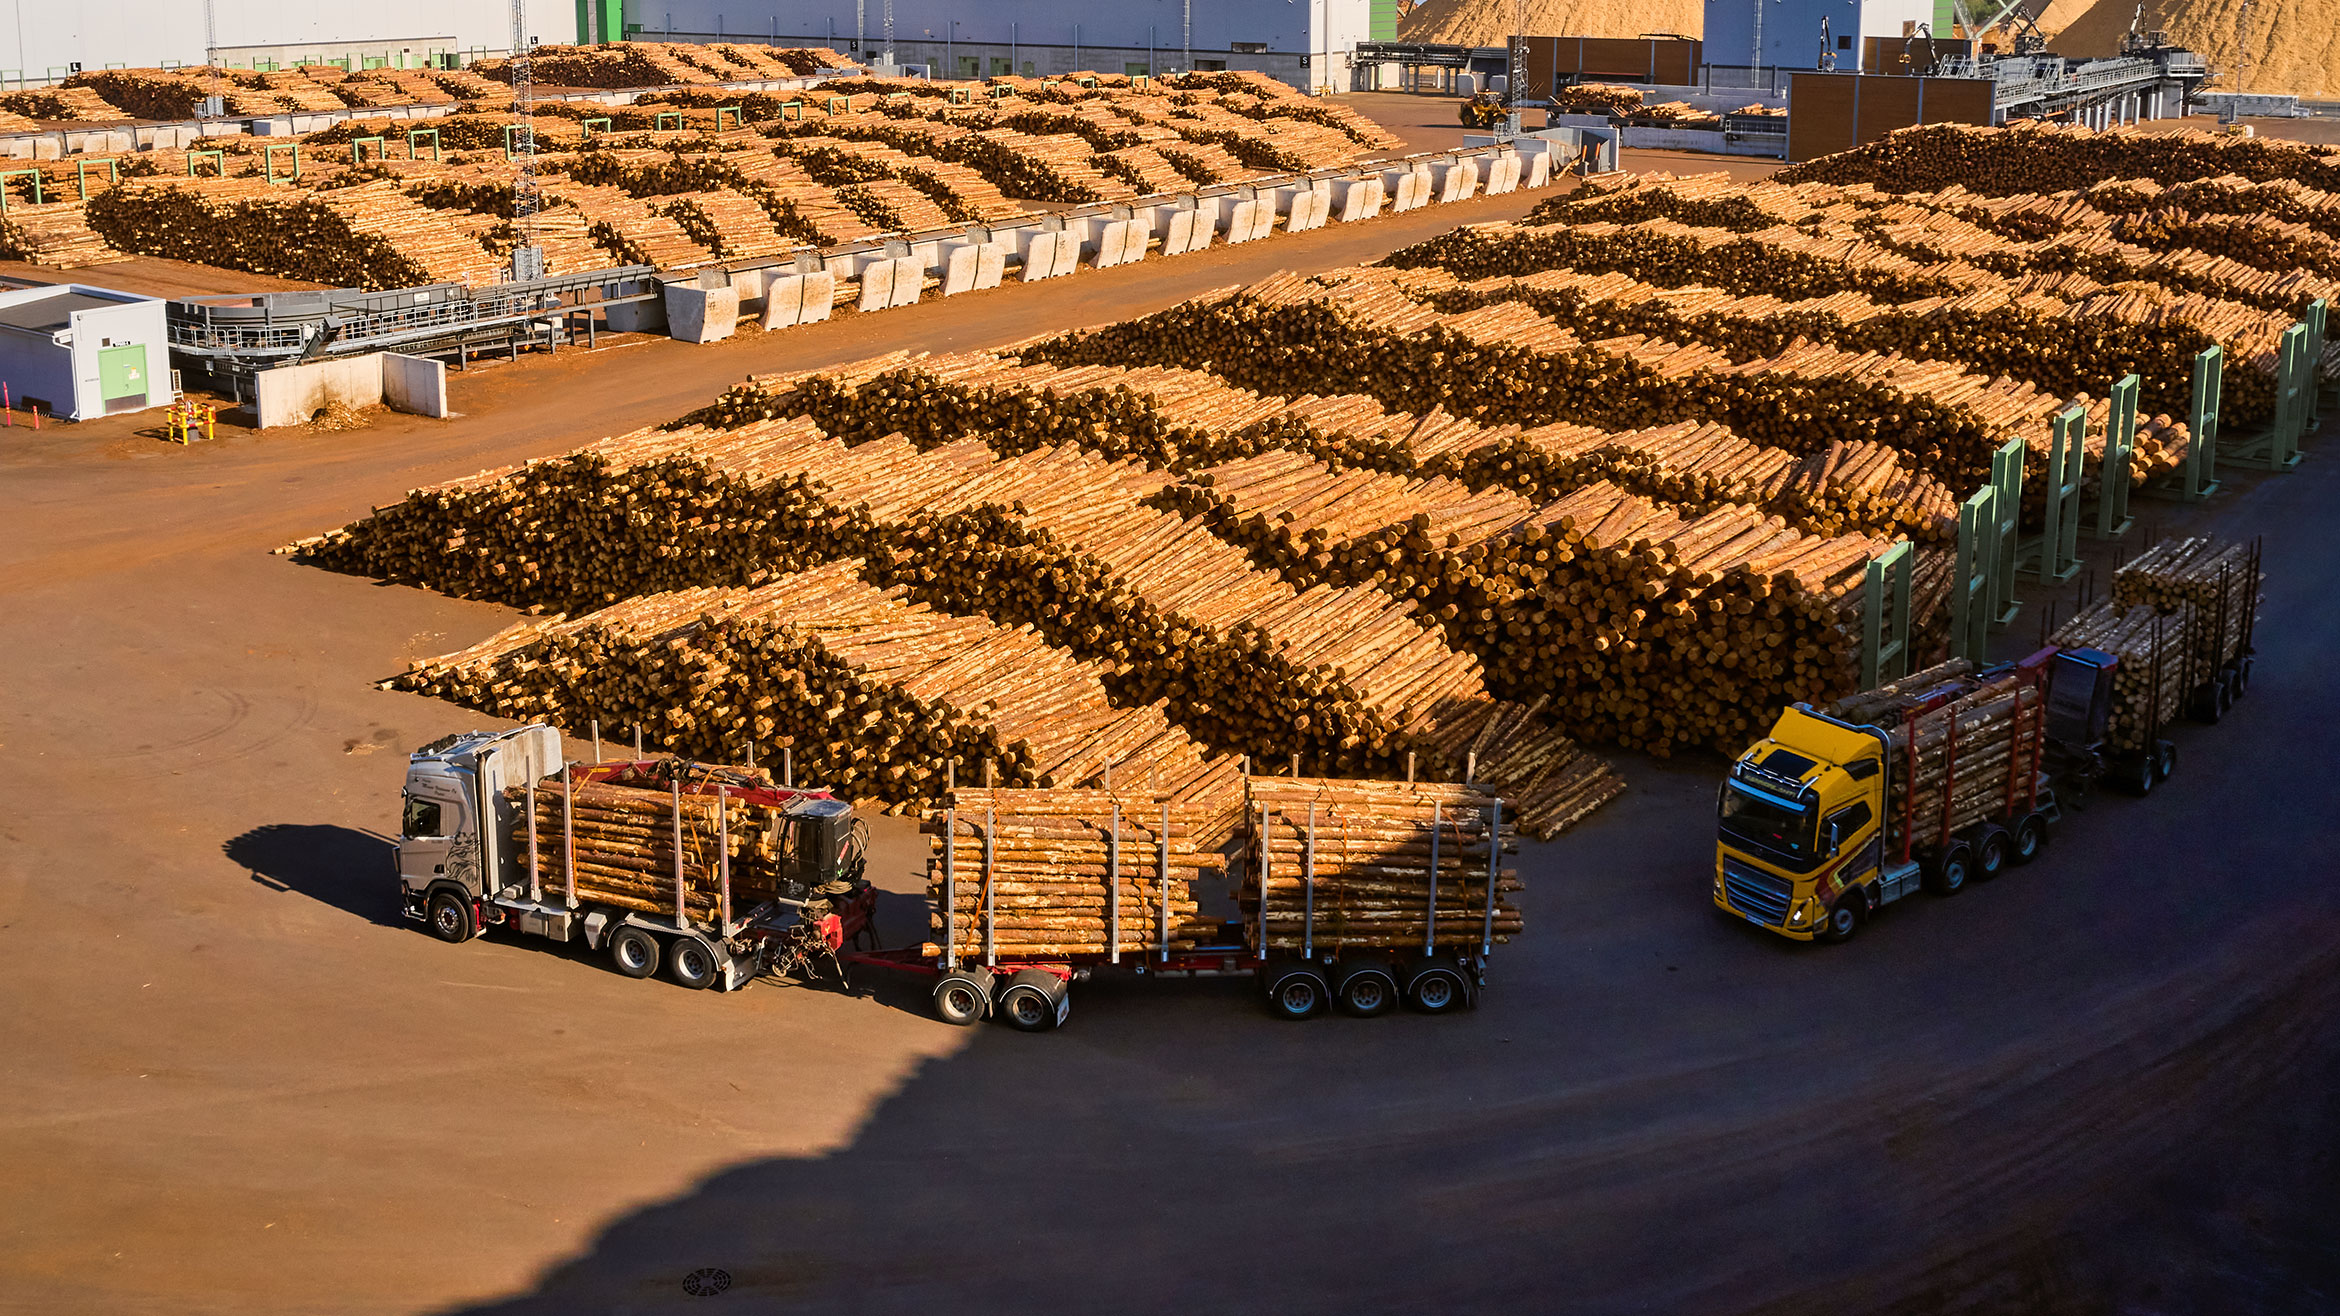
1761	818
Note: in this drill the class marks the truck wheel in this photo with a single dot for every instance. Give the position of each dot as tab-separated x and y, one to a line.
692	963
962	998
1034	1001
450	918
1295	990
634	951
1844	918
2164	760
2227	693
1365	988
1438	989
1947	871
2030	837
1991	846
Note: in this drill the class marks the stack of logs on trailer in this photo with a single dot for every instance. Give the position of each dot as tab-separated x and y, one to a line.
1956	762
1335	867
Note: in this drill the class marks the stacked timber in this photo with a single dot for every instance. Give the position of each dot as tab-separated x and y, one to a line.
2039	158
1332	866
2158	667
1597	98
642	840
733	226
1960	761
374	240
1069	872
631	231
877	697
2217	579
56	235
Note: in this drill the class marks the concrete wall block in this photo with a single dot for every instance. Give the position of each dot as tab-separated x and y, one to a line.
701	315
958	274
416	385
1363	199
1178	238
1243	221
1039	257
1539	170
820	297
909	280
990	264
1460	181
643	317
783	301
877	285
290	395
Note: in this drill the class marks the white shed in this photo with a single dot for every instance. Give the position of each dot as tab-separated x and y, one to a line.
80	352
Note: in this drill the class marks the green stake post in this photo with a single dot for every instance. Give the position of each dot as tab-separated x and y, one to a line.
6	174
1975	583
81	173
415	135
268	161
215	155
2057	556
2112	476
732	110
2007	508
662	124
591	125
357	149
1884	638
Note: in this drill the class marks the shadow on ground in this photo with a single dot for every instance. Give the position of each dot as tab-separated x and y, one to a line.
350	870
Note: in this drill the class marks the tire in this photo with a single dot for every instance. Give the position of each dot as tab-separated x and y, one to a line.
1947	872
634	952
2137	776
1033	1001
450	919
2227	693
2242	678
1295	990
2209	702
1845	918
962	998
1992	845
2029	840
1365	989
692	963
2164	760
1438	989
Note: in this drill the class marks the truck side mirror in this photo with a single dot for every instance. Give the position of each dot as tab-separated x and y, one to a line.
1835	836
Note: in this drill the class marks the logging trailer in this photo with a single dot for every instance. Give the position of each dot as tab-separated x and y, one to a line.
461	871
1827	820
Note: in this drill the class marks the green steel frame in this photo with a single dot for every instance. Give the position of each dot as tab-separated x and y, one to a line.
660	123
215	155
2057	555
1885	619
413	135
1975	584
357	149
588	125
268	161
81	173
6	174
2007	507
733	111
2112	476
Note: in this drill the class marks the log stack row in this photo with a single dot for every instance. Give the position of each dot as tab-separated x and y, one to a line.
2157	671
56	235
2043	158
1958	763
2218	579
619	839
1069	871
876	697
1336	866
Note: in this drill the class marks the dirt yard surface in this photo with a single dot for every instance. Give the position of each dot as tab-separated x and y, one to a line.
155	277
238	1083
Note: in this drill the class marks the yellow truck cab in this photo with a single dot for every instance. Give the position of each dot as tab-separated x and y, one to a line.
1801	823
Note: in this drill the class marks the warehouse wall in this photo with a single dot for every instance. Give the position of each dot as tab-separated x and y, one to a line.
1791	29
146	32
1129	24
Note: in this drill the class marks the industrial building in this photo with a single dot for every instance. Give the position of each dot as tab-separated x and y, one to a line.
1307	43
80	352
81	35
1845	35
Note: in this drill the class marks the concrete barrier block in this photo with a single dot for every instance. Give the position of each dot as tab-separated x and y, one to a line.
959	270
1539	170
701	315
1242	221
1039	257
642	317
1178	239
416	385
909	280
1362	199
1460	181
877	285
1113	245
1502	174
1413	190
783	301
820	296
1301	215
990	264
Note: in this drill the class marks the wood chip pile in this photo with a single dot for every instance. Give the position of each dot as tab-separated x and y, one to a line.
1055	872
1348	865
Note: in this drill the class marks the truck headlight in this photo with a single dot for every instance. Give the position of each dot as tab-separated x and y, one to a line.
1802	911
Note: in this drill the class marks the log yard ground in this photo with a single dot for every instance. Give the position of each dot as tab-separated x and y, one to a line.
239	1082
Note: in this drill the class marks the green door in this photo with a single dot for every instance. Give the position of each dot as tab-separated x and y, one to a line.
122	372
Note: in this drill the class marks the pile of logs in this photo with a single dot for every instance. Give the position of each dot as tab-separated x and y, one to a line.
1069	872
638	843
1596	98
1977	741
57	235
2043	158
370	236
2217	579
876	697
2157	670
1332	866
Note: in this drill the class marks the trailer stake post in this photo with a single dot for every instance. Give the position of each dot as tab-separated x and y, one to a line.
569	834
680	921
989	957
1113	883
1430	917
1494	871
950	889
535	885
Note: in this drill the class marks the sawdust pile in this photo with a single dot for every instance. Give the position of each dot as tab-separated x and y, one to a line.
1490	22
338	417
2294	44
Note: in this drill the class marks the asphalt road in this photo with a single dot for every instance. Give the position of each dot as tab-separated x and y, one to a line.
236	1083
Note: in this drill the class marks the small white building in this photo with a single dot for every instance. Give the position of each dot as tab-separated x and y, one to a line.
79	352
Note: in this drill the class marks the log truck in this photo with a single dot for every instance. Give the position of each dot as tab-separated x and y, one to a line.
1945	777
460	872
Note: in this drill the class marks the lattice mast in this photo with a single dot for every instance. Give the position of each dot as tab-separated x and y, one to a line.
527	257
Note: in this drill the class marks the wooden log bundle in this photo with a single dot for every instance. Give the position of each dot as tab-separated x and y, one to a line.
1330	865
1956	763
2043	158
877	697
56	235
369	236
619	839
1068	871
2157	671
2218	579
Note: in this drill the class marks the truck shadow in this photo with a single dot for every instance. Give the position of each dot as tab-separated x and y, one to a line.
348	869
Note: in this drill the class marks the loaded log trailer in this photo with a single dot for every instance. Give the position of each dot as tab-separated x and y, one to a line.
1956	773
717	873
1352	895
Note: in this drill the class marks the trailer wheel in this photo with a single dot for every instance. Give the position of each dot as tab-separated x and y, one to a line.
450	918
2242	678
2164	760
1295	990
2030	837
634	951
1991	847
962	998
2229	690
1947	871
1438	990
1364	988
1034	1001
692	963
1845	918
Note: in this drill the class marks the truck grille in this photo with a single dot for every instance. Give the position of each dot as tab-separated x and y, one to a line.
1753	891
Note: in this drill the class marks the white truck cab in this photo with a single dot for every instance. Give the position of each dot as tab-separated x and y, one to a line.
455	829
